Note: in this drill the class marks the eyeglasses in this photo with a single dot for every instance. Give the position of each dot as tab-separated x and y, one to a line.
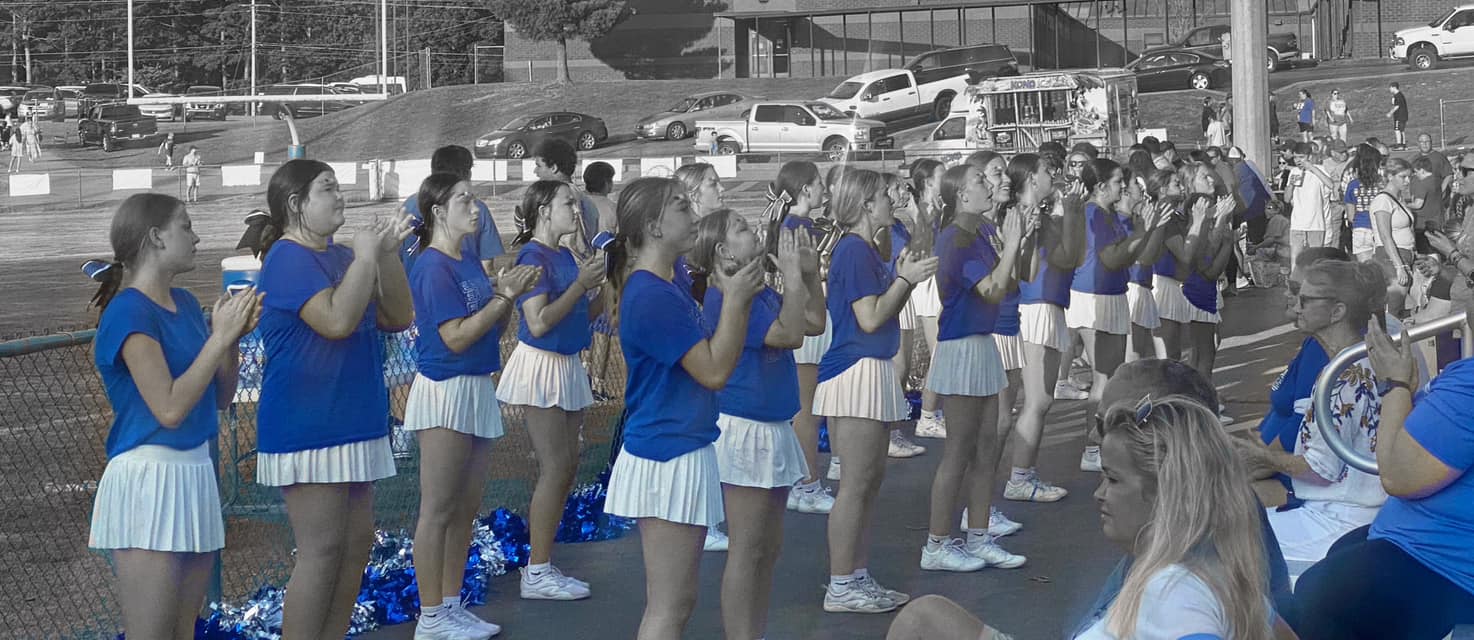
1076	163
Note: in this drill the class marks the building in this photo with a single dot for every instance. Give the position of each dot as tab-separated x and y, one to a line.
804	38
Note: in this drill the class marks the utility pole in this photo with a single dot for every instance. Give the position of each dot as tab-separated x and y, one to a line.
253	55
384	46
1249	28
129	92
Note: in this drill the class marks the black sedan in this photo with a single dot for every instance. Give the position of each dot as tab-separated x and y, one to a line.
1177	69
517	139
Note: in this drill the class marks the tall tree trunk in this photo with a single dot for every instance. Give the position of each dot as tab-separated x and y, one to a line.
562	64
1181	18
29	74
14	47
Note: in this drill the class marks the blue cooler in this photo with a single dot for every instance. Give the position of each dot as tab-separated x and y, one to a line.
236	272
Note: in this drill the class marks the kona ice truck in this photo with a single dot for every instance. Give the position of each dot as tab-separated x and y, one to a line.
1015	114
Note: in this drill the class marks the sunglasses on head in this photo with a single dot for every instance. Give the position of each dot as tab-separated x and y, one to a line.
1140	414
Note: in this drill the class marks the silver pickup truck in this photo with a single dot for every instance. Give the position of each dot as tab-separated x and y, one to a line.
794	126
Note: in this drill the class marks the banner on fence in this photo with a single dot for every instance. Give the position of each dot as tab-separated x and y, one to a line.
346	172
126	179
658	167
617	163
240	175
403	177
30	184
726	166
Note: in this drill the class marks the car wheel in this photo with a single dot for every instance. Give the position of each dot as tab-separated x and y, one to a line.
107	144
675	131
1201	81
516	151
586	141
1423	58
942	107
835	148
1272	61
728	148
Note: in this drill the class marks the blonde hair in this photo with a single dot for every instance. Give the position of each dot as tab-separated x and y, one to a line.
1204	510
855	188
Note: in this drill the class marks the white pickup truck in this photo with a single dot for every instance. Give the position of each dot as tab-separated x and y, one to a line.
893	94
791	126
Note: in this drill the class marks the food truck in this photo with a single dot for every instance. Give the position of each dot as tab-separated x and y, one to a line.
1015	114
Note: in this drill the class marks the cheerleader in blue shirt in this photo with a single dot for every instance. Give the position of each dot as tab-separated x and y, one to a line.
902	229
666	474
758	454
323	421
1201	286
452	406
859	390
926	181
166	372
544	375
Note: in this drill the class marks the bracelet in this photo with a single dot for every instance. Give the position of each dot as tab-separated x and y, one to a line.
1389	385
909	284
504	298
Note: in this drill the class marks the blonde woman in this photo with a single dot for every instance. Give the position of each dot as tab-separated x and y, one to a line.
926	181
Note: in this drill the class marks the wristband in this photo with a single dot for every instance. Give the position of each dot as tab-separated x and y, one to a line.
504	298
909	284
1389	385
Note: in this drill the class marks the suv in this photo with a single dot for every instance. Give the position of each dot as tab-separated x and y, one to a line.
978	61
1450	36
1283	48
328	104
211	110
104	92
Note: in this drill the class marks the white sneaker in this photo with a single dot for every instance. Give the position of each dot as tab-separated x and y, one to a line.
856	598
833	473
551	585
815	499
1224	418
994	555
902	447
715	540
1000	525
445	626
931	427
1066	390
1090	460
1033	490
949	556
869	582
488	629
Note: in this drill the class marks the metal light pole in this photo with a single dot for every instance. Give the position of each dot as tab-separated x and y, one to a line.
1249	27
130	50
384	46
253	55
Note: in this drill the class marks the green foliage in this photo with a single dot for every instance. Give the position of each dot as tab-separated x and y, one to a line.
562	19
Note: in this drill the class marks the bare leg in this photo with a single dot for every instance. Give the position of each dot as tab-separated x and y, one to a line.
963	434
1171	333
554	434
1143	346
360	540
458	536
932	617
672	554
930	401
983	469
444	460
1108	351
755	528
319	518
862	445
150	592
193	585
1205	349
806	424
1041	366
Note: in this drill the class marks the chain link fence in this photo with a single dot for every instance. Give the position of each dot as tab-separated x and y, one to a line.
54	420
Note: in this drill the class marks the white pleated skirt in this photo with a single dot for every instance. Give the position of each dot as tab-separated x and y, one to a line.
967	366
925	298
765	455
814	346
1103	313
1143	306
1010	351
157	498
1171	304
362	461
686	489
464	404
869	389
1043	324
907	316
537	378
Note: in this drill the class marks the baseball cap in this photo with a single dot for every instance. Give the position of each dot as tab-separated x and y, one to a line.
1236	153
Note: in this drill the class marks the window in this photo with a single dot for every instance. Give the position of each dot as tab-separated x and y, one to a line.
899	82
540	123
797	115
923	63
704	103
1460	19
1202	37
1152	62
564	119
730	98
952	129
769	113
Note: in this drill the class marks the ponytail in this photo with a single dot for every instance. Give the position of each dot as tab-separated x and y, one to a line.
952	182
527	215
109	276
261	231
780	201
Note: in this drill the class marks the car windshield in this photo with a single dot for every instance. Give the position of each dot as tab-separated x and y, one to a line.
517	123
683	106
101	89
38	95
845	90
1439	22
825	112
196	91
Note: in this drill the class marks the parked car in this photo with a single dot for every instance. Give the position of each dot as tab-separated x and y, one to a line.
1283	49
895	94
211	110
978	60
112	125
517	139
945	138
46	104
168	112
792	126
1170	70
330	103
11	97
99	93
679	121
1451	35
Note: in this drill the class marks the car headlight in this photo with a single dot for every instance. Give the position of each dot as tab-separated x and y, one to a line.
483	143
1397	41
861	134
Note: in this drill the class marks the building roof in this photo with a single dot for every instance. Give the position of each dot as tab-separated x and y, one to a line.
1278	7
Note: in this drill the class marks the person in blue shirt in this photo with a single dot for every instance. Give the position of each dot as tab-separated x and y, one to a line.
323	421
902	228
926	183
1215	245
1418	546
1098	305
976	269
554	159
758	454
1306	117
859	391
1145	319
544	375
485	243
666	474
166	371
452	405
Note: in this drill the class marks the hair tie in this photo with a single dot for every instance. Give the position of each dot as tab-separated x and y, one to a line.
101	270
777	201
258	227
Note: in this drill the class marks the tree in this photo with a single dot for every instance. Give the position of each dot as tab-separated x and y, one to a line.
561	20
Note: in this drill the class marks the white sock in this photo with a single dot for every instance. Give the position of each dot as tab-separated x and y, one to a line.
862	573
450	603
1092	449
434	612
538	569
1022	474
935	542
979	536
841	581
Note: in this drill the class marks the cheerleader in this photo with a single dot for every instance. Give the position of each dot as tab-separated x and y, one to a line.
167	371
323	432
975	272
666	474
901	229
1144	317
926	181
859	390
1173	310
703	188
1201	286
1098	306
1049	267
797	195
544	375
452	405
757	453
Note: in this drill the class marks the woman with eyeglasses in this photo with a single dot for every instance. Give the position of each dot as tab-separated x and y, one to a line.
1392	226
1338	116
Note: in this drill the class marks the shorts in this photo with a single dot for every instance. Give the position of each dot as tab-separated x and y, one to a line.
1099	312
1389	270
1306	126
870	389
464	404
764	455
1363	241
1311	238
160	499
968	366
1399	125
192	179
686	489
536	378
362	461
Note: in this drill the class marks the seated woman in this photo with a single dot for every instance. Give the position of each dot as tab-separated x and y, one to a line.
1167	467
1333	303
1410	574
1269	260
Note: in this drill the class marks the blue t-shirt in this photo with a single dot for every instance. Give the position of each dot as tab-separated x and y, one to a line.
764	386
963	260
1251	190
684	276
1051	284
181	335
807	224
316	392
1102	229
485	244
1295	383
900	237
1200	291
560	271
1008	316
1362	218
856	271
668	413
444	289
1437	530
1140	274
1307	111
